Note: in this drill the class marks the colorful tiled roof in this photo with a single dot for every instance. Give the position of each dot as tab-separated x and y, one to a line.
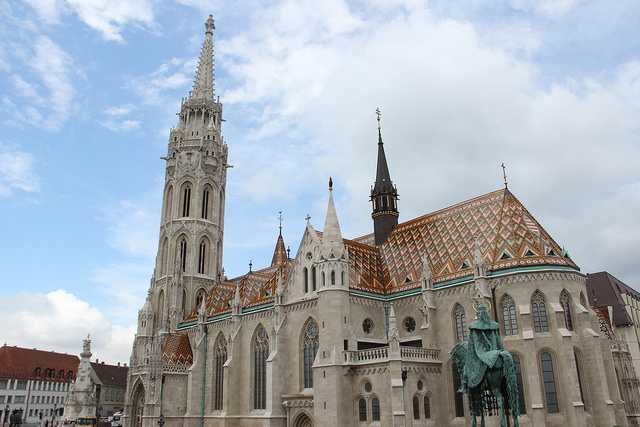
28	363
176	349
256	287
504	230
279	253
506	233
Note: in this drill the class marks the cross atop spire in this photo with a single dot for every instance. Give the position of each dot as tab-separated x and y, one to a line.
203	84
379	115
504	174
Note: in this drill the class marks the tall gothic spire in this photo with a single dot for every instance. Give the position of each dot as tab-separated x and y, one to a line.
203	84
384	195
332	244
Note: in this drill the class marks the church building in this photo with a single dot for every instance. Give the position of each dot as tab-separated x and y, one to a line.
353	331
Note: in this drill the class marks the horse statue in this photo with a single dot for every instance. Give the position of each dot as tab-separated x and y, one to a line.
487	372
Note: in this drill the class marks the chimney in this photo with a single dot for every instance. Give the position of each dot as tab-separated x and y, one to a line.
118	363
125	365
97	360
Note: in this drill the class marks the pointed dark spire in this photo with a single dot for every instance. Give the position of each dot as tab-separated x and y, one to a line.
384	195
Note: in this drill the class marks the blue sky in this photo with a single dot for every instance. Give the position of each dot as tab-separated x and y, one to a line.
89	91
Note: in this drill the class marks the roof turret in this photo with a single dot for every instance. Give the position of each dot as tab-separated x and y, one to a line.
332	244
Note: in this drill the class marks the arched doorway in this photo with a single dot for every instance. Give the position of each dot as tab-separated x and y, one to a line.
137	406
303	420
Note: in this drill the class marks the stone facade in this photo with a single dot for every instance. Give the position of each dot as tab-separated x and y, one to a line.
353	332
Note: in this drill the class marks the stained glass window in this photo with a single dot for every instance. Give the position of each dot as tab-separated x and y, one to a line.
218	381
509	316
260	354
565	302
459	320
310	348
549	382
539	312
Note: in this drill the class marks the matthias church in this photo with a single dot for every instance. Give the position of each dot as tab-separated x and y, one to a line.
354	331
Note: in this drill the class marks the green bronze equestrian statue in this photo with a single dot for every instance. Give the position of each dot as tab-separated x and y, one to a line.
487	372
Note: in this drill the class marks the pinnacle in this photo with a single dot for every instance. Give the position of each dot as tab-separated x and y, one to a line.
203	84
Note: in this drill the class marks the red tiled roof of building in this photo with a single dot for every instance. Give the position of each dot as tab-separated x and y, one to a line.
29	363
113	375
604	289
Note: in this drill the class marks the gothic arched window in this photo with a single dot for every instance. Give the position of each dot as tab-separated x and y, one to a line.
206	203
539	312
581	384
313	278
583	300
509	316
161	309
362	409
163	256
565	302
218	380
323	280
220	208
260	354
375	409
416	407
549	382
305	274
310	348
183	254
200	295
457	396
184	304
168	204
186	199
427	407
459	323
202	257
333	278
521	400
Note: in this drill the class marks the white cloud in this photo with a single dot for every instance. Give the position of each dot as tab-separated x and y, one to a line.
153	88
59	320
132	231
455	103
16	171
121	126
108	17
119	110
48	102
116	121
549	8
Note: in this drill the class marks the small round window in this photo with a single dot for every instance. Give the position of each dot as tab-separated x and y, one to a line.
367	387
367	326
409	324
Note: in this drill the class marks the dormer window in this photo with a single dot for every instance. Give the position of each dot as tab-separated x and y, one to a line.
505	255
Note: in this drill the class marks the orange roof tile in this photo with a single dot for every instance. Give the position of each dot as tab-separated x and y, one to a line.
23	363
176	348
497	220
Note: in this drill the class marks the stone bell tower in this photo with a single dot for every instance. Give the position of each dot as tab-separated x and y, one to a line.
189	259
